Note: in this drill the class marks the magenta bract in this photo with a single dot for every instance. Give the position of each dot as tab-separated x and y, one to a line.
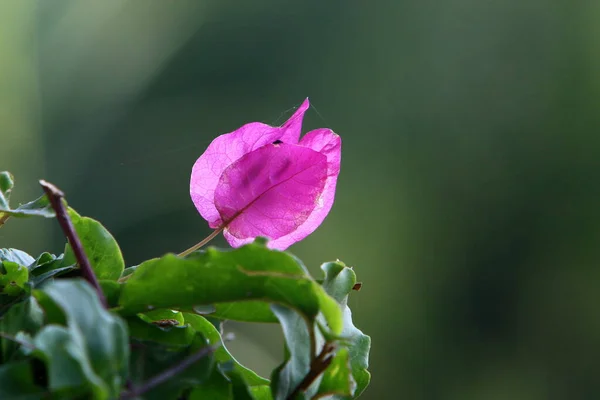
262	180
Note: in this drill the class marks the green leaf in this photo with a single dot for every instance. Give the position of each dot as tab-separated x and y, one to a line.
164	316
339	282
219	387
111	290
300	342
337	382
13	278
150	359
17	256
39	207
48	266
249	273
262	392
247	311
6	184
222	355
216	387
27	317
16	382
179	336
70	372
100	247
352	343
100	338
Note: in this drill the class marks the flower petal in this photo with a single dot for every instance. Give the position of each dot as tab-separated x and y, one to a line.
293	126
228	148
270	191
329	144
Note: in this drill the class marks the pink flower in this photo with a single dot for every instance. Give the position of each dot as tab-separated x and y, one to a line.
262	180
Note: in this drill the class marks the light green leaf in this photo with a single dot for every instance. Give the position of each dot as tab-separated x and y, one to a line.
13	278
100	247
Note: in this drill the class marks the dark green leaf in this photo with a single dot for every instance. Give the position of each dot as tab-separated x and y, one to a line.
69	368
216	387
149	360
26	316
100	247
111	290
99	335
300	349
249	273
16	382
48	266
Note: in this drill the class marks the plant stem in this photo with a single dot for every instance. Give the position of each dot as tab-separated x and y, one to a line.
14	339
55	196
168	373
317	367
202	242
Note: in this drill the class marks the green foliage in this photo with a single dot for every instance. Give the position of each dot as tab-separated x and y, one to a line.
38	207
100	247
161	336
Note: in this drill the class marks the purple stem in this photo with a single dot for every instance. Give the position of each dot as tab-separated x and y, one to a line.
55	196
168	373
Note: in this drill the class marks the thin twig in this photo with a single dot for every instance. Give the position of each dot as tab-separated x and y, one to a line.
56	201
202	242
18	341
317	367
168	373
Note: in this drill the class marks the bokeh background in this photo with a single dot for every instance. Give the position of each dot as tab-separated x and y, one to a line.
468	201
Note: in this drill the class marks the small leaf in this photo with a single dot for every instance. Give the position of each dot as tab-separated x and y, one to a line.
339	282
17	256
13	278
100	247
40	206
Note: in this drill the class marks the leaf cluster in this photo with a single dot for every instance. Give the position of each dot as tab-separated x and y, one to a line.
161	334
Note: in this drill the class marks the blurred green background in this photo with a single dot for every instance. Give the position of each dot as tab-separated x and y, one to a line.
468	201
